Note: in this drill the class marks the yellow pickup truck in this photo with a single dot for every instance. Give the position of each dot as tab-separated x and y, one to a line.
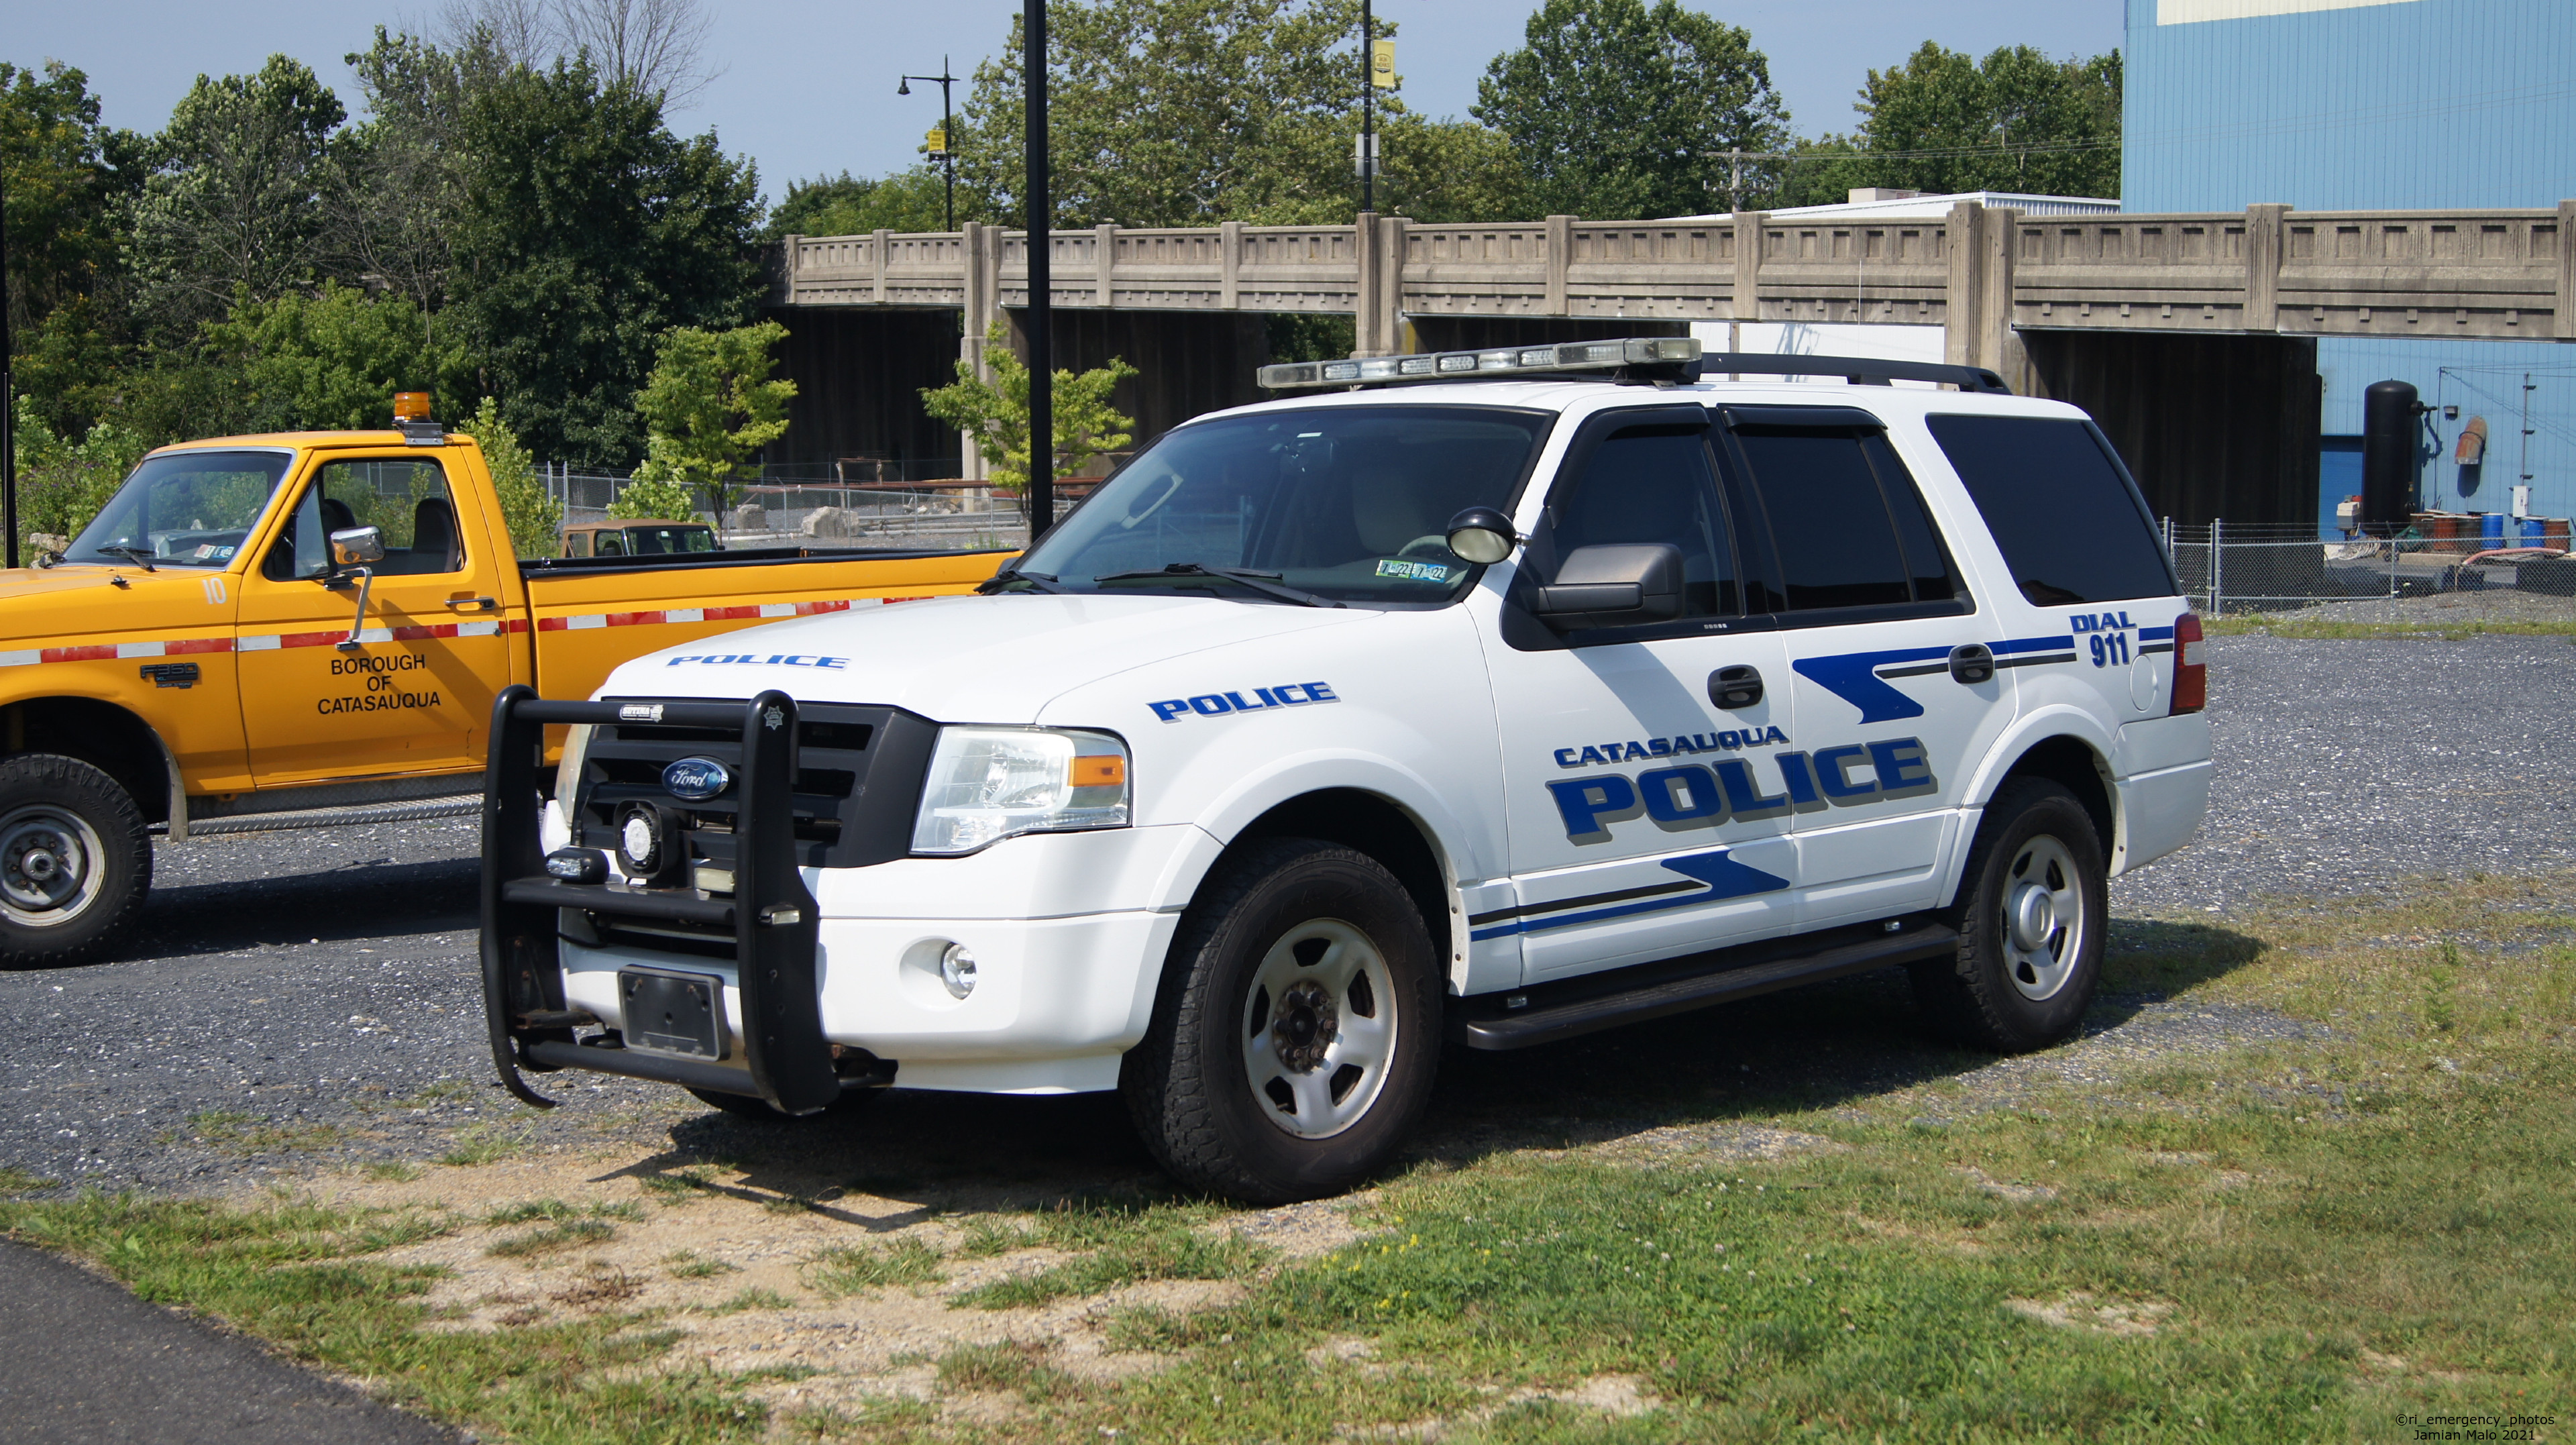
304	629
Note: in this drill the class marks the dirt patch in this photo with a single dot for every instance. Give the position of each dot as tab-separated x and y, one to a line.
1615	1397
1716	1143
846	1294
2081	1310
2017	1193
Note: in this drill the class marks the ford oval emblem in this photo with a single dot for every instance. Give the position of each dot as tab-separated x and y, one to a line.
696	779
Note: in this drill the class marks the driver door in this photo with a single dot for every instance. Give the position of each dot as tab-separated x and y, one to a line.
414	693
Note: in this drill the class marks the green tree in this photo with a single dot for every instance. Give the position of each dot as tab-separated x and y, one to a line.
655	496
62	483
332	361
586	231
2016	121
398	178
233	195
997	412
534	518
710	405
1178	112
65	321
1617	110
912	199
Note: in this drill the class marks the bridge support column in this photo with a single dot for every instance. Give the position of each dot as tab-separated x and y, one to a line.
983	278
2563	320
1962	317
2263	267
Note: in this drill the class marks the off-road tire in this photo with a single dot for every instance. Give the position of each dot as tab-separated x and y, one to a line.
1973	997
751	1107
1186	1083
42	794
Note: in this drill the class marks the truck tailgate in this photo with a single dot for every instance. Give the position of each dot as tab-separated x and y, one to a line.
589	618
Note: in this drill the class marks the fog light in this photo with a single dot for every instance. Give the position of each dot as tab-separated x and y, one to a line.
957	970
577	865
639	838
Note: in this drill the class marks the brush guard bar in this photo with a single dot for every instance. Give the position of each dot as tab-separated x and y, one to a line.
772	915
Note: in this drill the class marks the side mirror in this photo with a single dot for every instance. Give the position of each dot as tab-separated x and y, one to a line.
1481	534
357	546
1618	584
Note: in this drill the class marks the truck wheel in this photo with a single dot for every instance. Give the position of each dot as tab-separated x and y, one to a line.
75	860
2030	916
1297	1030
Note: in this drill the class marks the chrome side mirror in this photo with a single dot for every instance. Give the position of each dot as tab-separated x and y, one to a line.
1481	534
357	546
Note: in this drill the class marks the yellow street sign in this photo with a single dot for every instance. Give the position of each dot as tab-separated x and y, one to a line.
1382	64
938	138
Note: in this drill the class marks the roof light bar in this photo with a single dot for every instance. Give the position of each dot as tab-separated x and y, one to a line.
1569	356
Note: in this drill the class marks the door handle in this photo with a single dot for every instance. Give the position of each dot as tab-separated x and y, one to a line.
1972	663
472	604
1735	687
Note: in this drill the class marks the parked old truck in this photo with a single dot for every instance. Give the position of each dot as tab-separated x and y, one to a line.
293	630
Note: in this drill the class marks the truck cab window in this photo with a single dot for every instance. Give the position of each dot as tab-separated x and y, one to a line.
187	509
405	498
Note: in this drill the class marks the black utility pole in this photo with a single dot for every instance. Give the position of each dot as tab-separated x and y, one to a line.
947	130
1041	283
1368	108
8	395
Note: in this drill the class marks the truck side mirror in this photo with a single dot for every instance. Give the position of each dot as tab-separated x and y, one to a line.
357	546
1613	584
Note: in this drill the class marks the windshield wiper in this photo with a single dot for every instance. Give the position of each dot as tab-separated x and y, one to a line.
1264	582
137	553
1042	581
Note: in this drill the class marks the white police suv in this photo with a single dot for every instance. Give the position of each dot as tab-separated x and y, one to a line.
1558	690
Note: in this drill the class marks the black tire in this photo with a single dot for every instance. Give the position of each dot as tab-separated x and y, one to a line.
1265	975
75	861
751	1107
2025	972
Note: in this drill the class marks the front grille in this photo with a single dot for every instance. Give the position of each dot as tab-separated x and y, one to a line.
857	785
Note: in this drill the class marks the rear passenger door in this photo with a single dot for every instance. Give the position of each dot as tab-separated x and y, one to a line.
1848	562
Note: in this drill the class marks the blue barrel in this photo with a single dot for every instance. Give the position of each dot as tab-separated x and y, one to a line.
2533	533
2494	536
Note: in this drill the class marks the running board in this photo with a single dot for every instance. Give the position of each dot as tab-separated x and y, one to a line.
1550	1012
333	817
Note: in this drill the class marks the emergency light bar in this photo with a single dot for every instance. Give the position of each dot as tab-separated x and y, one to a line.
1665	353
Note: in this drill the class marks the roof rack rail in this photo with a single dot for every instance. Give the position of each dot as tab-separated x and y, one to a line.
1858	370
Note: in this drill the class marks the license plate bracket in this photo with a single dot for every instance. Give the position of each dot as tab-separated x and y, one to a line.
668	1011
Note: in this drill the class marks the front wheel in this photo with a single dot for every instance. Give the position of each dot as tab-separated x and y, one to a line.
75	860
1299	1027
2030	916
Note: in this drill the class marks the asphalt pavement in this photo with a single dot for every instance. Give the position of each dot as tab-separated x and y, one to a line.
299	1000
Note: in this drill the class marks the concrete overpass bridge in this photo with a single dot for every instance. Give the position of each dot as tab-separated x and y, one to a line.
2191	336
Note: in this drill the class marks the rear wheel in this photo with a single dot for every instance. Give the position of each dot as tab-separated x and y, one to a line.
2030	916
1299	1028
75	860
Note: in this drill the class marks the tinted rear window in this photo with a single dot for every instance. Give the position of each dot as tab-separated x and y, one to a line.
2070	526
1846	523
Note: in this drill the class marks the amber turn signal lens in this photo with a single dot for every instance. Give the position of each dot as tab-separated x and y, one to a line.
1099	772
411	406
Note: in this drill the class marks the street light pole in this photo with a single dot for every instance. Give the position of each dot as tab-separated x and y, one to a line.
1368	109
8	395
947	130
1041	279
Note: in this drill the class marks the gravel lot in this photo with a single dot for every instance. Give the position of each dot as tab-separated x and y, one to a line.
310	999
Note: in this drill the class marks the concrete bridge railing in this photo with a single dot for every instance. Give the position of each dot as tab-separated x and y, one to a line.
1980	274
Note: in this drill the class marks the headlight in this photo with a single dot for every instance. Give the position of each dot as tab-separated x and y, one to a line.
991	783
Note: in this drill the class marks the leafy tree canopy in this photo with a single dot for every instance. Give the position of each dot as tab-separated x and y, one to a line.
997	411
913	199
711	405
332	361
2016	121
534	517
1617	111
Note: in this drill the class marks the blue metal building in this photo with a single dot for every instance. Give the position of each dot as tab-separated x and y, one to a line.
2377	104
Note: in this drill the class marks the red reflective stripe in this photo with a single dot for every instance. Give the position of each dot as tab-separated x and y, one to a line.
199	644
634	619
415	634
80	654
514	624
312	639
553	624
729	614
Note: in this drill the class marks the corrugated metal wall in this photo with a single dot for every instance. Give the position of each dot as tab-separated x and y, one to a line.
2416	103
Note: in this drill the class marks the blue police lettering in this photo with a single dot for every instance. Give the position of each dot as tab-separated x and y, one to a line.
775	659
2099	622
1703	795
1263	699
1676	745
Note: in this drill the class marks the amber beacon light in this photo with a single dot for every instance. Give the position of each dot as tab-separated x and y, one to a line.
411	406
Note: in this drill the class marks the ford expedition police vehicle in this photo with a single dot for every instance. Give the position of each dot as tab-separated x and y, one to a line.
1491	710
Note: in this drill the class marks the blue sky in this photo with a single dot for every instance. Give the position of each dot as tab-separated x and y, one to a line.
809	87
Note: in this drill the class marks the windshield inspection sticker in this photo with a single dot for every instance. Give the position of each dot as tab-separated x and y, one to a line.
1413	571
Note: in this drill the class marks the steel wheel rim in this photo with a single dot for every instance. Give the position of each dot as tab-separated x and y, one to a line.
2045	924
1318	1029
49	866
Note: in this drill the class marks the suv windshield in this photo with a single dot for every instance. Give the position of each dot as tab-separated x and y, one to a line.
183	509
1350	503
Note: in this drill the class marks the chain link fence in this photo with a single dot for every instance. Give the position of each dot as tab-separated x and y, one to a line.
2237	569
878	511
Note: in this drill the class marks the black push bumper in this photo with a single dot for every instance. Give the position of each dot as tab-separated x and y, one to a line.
771	915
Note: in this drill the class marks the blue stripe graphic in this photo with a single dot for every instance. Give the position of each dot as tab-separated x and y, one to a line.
2063	642
1725	878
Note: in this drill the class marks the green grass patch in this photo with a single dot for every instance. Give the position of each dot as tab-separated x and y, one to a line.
558	1238
19	1181
848	1271
555	1209
1018	1367
1122	1245
486	1144
391	1171
752	1299
689	1264
301	1277
234	1132
2265	624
